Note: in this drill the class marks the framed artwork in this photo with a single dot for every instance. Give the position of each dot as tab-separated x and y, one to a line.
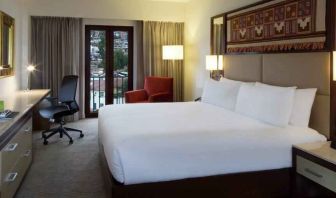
6	45
277	26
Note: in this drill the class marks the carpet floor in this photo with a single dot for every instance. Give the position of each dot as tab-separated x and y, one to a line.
60	170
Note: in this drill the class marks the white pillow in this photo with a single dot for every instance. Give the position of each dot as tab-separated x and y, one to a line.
302	105
303	102
223	94
269	104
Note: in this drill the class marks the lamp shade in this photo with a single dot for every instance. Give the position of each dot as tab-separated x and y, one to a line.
172	52
214	62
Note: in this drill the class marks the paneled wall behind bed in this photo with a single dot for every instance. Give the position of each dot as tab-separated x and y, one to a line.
304	70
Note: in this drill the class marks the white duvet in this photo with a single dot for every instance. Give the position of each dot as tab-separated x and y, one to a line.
170	141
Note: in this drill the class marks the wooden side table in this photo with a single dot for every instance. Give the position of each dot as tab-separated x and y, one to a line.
315	170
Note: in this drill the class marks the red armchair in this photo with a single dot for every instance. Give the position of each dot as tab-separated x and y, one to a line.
156	89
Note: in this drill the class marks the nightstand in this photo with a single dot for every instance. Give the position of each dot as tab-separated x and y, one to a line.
315	170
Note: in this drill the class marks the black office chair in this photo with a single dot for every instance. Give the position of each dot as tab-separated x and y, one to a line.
62	106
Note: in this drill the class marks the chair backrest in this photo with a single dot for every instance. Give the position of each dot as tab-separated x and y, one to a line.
155	85
68	89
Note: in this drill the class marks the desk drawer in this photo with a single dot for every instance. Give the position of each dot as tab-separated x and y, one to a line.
316	173
14	177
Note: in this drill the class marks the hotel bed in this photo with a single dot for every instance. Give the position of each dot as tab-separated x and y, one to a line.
194	149
171	141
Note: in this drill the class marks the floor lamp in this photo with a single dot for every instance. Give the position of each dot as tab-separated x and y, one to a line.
172	52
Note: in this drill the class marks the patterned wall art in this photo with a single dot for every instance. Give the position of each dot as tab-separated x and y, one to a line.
277	26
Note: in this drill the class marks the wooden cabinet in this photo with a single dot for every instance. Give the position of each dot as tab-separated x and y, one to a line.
315	167
15	158
16	141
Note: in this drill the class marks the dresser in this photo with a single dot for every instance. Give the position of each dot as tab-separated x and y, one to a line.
16	139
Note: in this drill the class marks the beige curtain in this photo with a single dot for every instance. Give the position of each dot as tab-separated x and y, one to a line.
56	50
155	35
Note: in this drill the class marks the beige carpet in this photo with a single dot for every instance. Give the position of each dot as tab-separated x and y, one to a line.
63	170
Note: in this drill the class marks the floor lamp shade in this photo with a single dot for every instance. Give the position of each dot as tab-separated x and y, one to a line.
172	52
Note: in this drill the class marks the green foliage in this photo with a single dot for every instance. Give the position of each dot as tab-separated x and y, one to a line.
102	50
120	59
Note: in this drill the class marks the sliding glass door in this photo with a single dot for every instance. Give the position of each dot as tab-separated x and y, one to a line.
109	66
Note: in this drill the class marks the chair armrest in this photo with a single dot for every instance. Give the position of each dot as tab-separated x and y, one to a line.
160	97
52	100
135	96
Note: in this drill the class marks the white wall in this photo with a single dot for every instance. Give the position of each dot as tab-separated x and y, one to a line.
109	9
16	9
197	40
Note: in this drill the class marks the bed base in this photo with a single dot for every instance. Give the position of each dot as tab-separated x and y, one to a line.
270	183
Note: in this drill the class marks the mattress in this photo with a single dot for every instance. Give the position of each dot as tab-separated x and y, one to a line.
146	143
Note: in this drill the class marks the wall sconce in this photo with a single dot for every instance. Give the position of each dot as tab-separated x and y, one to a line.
214	63
30	69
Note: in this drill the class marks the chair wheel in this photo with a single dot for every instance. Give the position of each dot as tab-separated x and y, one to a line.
71	142
81	135
45	142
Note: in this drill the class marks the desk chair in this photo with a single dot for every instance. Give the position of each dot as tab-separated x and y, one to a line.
60	107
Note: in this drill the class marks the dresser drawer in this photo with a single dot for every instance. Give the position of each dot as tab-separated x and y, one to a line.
316	172
15	158
21	142
13	178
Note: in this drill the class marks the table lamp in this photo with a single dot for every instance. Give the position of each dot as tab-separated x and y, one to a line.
214	63
30	69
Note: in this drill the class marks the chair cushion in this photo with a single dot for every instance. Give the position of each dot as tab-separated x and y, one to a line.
54	112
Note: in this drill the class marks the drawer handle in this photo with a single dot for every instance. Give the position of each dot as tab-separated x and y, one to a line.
27	153
11	177
11	147
313	173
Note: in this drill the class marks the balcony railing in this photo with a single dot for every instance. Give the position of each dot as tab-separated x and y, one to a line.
98	89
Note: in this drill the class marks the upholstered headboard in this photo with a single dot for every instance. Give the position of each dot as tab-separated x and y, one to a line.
304	70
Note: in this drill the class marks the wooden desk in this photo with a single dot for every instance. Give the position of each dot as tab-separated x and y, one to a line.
16	139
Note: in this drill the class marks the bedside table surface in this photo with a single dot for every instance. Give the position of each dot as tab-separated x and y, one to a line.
319	149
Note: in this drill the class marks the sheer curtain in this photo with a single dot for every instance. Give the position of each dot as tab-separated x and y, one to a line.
155	35
56	50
